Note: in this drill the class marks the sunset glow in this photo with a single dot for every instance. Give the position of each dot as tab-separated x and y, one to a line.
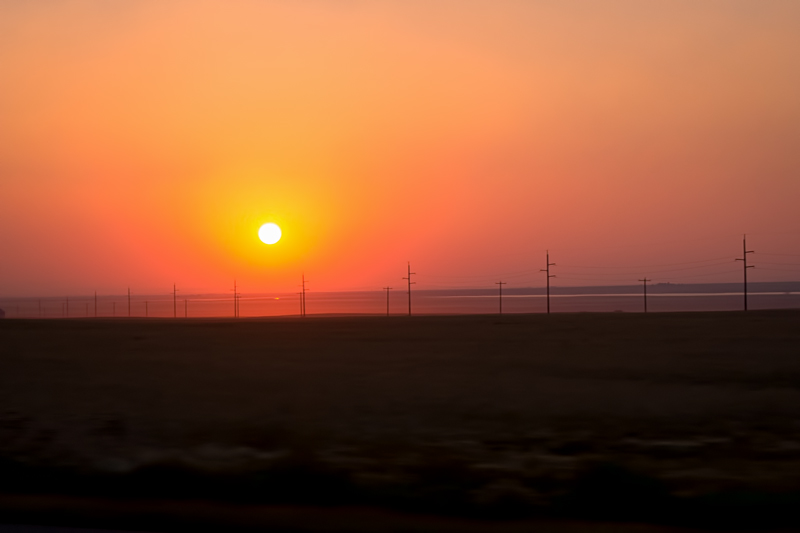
623	136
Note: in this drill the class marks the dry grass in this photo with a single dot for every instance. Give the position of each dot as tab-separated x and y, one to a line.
602	415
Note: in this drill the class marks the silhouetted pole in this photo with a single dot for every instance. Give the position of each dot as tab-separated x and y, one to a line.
129	302
185	308
644	282
387	289
95	304
87	309
67	306
146	310
174	301
743	259
304	294
410	283
235	301
500	286
300	294
549	264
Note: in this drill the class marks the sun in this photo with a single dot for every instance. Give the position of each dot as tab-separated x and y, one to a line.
269	233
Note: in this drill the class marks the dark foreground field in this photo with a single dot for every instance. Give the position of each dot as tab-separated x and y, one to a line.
406	424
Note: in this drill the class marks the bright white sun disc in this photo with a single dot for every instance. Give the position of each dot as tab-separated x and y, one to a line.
269	233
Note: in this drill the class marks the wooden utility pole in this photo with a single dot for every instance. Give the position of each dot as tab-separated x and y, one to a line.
174	301
644	282
549	264
146	310
387	289
129	302
304	294
95	304
235	300
743	259
500	286
410	283
185	308
67	306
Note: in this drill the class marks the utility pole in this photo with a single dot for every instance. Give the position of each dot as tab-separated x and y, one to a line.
174	301
300	294
743	259
95	304
644	282
387	289
235	301
549	264
303	294
67	300
129	302
410	283
500	285
185	308
87	309
146	310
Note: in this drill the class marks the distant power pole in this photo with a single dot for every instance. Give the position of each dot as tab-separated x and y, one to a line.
303	295
410	283
743	259
67	307
95	304
146	310
500	286
387	289
185	308
549	264
300	294
235	301
129	302
174	301
644	282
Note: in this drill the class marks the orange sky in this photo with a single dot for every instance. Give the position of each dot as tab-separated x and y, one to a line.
143	143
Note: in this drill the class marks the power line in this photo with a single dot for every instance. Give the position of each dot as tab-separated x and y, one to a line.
649	266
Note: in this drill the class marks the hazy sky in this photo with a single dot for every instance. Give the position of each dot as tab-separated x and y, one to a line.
144	143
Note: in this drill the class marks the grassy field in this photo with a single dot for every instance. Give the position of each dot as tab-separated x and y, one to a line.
688	419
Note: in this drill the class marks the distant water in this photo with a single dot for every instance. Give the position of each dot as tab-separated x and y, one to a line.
563	300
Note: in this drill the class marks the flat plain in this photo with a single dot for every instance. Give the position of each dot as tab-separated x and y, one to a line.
688	419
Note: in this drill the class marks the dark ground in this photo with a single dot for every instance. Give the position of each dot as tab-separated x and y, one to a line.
424	423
